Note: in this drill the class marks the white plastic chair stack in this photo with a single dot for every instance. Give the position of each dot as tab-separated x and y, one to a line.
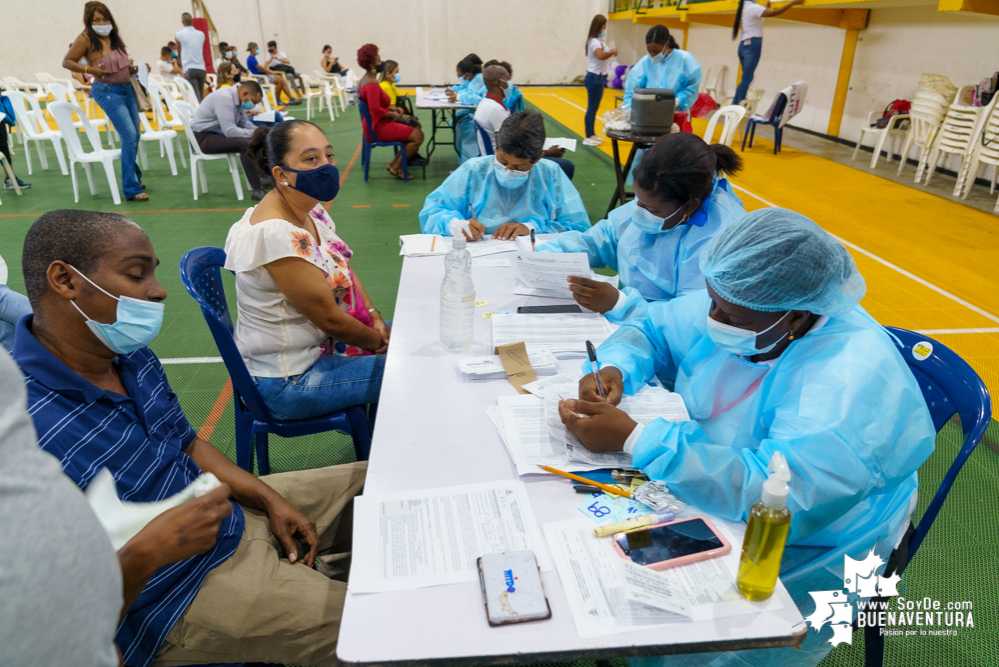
63	94
36	90
896	130
985	152
45	78
162	102
187	91
730	116
338	90
714	82
185	112
926	114
34	127
165	139
957	136
315	90
63	113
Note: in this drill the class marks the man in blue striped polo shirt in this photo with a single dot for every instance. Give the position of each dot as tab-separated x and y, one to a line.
100	399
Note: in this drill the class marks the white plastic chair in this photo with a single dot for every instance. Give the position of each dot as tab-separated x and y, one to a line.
63	113
162	103
187	91
45	78
68	96
36	90
985	151
315	90
713	82
339	89
35	128
165	139
956	136
731	116
892	130
185	112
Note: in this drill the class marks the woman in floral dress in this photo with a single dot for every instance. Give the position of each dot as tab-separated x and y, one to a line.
307	330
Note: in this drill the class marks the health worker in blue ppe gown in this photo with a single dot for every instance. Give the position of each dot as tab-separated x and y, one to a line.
776	355
469	91
666	66
507	194
655	241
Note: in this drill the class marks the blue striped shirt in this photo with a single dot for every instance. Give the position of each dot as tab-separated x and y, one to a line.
140	438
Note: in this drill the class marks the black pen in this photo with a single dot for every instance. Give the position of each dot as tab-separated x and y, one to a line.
532	239
593	362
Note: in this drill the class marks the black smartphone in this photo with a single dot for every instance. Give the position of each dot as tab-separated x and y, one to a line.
535	310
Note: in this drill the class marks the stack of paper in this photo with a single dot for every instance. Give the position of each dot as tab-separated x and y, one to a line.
563	334
561	142
427	245
548	271
543	362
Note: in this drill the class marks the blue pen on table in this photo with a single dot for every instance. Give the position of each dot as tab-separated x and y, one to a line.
592	353
532	239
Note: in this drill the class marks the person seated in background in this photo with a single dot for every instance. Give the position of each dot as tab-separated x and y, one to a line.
491	112
173	48
276	78
665	66
165	66
469	91
278	62
227	78
384	121
229	55
682	200
13	306
776	356
330	64
387	79
515	100
308	332
88	369
507	194
227	75
220	125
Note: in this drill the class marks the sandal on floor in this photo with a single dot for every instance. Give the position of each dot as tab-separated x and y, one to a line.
142	196
398	174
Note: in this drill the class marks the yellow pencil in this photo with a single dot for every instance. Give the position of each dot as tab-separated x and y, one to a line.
604	487
433	242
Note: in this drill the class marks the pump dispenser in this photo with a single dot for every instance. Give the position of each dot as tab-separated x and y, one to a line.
766	534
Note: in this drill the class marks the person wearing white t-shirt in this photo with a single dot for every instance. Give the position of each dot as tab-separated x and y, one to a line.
596	75
190	50
750	15
165	66
491	112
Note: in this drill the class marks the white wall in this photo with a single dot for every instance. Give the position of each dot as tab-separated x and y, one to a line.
427	37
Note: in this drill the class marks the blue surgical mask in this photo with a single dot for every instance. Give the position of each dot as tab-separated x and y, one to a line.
397	78
508	91
603	33
138	322
652	224
656	59
322	183
740	341
509	178
102	30
247	105
257	52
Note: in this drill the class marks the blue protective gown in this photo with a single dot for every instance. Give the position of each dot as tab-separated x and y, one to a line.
678	72
547	201
653	267
469	92
839	404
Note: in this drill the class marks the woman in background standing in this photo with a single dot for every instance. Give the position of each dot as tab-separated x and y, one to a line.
596	75
112	69
751	16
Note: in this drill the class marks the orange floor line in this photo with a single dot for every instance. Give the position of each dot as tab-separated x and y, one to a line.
216	412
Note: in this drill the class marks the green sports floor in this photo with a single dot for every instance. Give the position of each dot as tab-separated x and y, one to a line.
958	561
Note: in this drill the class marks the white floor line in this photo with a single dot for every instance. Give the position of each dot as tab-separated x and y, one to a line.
934	332
192	360
559	97
924	283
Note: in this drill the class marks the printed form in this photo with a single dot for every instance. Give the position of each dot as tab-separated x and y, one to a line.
565	335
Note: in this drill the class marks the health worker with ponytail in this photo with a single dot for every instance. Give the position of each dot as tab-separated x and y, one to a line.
308	332
665	66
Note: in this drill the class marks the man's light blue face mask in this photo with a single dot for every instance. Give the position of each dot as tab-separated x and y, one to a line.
740	341
138	322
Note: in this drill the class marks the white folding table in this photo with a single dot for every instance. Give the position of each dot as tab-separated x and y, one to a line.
432	431
441	118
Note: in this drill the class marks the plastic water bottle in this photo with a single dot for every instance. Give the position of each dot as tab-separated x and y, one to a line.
457	298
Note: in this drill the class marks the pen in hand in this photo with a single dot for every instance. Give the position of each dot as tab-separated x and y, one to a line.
592	353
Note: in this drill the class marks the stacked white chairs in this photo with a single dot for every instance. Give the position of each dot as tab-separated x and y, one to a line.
162	102
45	78
34	127
164	138
63	113
730	117
339	89
316	89
36	90
185	112
187	92
713	82
926	115
68	96
956	136
985	152
896	130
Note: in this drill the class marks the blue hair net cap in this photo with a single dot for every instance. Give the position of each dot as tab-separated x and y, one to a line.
774	260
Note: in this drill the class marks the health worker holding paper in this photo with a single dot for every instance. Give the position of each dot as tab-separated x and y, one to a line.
776	355
666	66
507	194
654	242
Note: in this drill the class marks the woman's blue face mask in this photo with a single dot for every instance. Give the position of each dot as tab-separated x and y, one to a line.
742	342
509	178
321	184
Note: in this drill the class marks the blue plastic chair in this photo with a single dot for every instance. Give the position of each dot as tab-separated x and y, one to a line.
950	386
202	277
750	132
484	136
369	140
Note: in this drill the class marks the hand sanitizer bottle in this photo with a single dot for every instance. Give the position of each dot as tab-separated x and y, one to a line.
766	534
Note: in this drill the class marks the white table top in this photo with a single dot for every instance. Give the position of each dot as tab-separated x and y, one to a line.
432	431
423	102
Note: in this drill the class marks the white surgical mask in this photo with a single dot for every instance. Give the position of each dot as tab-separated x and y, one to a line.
659	57
740	341
652	224
102	30
509	178
136	325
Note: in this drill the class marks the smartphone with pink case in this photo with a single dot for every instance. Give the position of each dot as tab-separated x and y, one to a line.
667	545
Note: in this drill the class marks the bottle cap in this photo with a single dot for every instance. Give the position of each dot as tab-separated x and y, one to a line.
458	242
775	489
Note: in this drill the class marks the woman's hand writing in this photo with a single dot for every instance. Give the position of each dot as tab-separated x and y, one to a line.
612	382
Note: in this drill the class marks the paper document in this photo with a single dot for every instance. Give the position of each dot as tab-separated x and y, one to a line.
608	595
433	537
265	117
549	270
523	290
491	368
538	386
424	245
564	334
561	142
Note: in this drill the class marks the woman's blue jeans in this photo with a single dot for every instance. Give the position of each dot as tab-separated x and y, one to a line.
749	58
333	383
118	102
595	84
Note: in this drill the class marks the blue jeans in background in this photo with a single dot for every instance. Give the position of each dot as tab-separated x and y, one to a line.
595	84
333	383
749	58
118	102
13	307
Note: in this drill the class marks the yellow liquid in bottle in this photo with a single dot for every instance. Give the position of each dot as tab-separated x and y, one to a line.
762	549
